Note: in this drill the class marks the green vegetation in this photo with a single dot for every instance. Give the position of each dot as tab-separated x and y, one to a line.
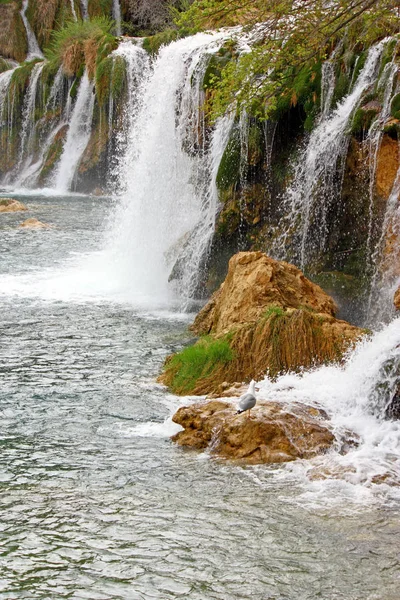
82	43
153	43
273	310
282	68
197	362
229	167
395	107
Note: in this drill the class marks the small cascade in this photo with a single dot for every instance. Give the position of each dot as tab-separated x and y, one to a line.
327	86
166	174
77	137
386	84
386	261
73	10
5	80
28	115
33	46
116	15
84	9
319	172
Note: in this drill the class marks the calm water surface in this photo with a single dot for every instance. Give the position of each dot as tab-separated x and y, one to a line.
96	502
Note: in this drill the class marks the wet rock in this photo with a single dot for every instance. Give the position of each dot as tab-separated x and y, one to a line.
396	299
11	205
33	223
275	433
255	282
388	161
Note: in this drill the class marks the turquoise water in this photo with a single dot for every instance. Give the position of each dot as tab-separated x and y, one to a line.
97	503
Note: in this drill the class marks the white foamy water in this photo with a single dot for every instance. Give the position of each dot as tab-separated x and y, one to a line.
33	46
77	136
355	396
168	194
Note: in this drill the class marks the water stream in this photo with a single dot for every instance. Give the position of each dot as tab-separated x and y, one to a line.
96	501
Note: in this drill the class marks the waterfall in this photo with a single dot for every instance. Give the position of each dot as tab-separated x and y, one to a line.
28	114
78	135
319	171
5	80
84	9
116	15
73	10
166	174
33	46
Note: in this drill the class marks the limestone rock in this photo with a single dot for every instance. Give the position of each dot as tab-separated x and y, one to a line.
396	299
276	433
11	205
33	223
274	320
255	282
387	166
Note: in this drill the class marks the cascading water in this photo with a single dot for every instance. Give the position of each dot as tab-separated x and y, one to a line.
28	115
33	46
169	198
73	10
356	398
319	171
116	15
77	137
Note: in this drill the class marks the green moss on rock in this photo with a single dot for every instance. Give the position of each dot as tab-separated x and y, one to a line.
229	168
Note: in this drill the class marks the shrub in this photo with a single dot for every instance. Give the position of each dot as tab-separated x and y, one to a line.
196	362
82	43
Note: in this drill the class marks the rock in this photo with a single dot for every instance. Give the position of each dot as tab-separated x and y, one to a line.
272	318
276	433
396	299
254	283
387	166
11	205
33	223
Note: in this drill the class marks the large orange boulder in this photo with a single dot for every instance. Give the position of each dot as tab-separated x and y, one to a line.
254	283
275	433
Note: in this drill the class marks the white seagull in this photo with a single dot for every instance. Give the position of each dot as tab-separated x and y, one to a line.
248	400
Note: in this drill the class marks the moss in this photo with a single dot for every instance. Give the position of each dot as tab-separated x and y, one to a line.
4	65
184	370
392	130
362	121
395	107
53	154
99	8
153	43
214	68
229	167
341	88
273	310
359	64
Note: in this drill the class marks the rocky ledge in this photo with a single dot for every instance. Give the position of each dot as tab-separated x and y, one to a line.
275	433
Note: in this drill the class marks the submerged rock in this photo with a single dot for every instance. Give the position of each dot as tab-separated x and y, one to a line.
33	223
276	432
11	205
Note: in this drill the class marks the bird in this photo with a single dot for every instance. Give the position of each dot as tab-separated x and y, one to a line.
248	400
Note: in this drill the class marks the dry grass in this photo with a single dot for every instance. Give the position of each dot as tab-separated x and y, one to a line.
279	342
73	57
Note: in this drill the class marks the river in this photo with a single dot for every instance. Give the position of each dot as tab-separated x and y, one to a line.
96	501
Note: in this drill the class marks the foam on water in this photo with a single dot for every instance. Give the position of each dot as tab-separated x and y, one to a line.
355	396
